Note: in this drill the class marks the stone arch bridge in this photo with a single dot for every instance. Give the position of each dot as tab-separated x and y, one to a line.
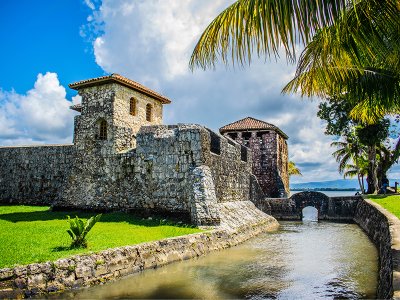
329	208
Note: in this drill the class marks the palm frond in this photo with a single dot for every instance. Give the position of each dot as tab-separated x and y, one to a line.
263	26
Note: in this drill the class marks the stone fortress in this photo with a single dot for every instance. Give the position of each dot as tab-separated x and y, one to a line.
123	158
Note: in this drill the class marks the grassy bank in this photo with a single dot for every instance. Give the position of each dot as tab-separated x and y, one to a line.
34	234
389	202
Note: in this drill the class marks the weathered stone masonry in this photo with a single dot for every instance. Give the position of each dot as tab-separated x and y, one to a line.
269	150
172	169
123	159
34	175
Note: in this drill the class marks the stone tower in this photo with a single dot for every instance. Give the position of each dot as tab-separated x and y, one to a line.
270	153
112	111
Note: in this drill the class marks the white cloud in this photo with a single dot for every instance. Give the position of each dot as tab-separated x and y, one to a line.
42	115
164	32
151	42
89	4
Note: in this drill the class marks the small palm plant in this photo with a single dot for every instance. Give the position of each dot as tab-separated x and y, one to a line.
78	230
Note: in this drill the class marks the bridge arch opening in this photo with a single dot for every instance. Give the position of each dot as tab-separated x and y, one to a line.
309	214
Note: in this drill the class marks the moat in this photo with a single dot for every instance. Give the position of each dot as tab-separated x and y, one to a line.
300	261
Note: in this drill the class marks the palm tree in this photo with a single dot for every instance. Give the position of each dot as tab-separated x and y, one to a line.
360	169
369	78
351	156
387	158
293	170
352	47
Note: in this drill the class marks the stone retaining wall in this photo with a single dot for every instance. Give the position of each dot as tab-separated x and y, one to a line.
384	230
34	174
84	270
329	208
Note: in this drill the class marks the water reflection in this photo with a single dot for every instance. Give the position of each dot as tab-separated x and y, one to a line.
300	261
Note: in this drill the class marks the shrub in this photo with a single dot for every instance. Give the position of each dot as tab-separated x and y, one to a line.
78	230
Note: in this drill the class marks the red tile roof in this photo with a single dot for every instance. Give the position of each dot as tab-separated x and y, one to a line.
250	123
122	80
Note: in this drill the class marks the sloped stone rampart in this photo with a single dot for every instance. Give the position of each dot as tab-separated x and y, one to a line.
241	222
34	174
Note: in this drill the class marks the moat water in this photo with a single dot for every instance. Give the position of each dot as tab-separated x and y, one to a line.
300	261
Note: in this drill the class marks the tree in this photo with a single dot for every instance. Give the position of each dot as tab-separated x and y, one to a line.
352	47
336	112
293	170
372	136
360	169
351	158
361	146
336	63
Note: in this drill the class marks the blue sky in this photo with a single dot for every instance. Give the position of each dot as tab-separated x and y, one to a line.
43	36
48	44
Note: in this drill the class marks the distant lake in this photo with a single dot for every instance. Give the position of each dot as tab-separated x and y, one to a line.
331	193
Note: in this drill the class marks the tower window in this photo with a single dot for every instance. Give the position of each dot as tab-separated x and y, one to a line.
149	112
132	106
103	130
233	135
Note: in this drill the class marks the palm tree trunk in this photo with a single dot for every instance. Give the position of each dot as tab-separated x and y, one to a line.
362	184
359	183
372	171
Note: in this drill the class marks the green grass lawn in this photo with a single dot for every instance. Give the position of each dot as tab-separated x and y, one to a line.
389	202
34	234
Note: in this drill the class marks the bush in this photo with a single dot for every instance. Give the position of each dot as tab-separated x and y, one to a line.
78	230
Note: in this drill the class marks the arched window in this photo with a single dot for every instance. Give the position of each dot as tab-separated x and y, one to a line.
148	112
132	106
103	130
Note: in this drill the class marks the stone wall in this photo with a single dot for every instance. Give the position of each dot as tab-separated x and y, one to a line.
384	230
241	222
270	159
111	102
329	208
34	174
180	169
282	166
231	170
123	119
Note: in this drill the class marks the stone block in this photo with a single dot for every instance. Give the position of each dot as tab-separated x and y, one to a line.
83	271
20	282
34	269
6	273
20	271
37	281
